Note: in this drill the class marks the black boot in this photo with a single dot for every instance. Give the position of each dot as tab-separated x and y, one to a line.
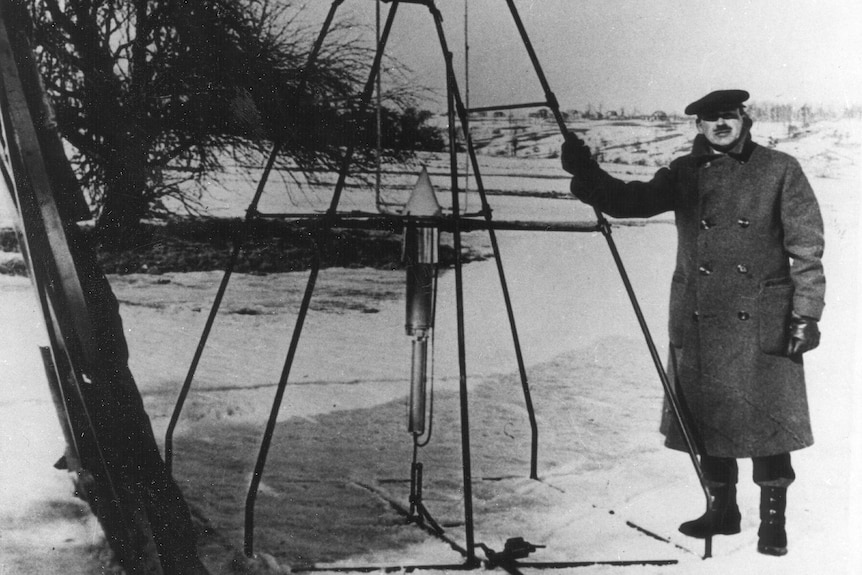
772	538
722	519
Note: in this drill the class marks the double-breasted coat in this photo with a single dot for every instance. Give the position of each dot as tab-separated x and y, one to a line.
750	242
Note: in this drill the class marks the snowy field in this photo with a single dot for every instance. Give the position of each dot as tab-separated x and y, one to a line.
340	460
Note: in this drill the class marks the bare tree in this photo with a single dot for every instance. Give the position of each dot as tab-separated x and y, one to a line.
152	94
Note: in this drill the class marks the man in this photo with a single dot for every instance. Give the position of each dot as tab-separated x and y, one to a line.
746	296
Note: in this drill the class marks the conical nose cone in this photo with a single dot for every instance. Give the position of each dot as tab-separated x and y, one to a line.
423	200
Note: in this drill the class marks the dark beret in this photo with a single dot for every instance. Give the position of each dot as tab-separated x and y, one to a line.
717	101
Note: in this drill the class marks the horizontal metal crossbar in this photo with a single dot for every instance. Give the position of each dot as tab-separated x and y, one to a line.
361	220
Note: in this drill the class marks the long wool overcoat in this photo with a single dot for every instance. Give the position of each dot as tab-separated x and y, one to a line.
750	242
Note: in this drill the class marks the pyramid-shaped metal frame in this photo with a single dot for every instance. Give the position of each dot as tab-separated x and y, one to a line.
456	223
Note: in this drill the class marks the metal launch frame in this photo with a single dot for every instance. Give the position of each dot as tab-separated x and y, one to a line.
456	224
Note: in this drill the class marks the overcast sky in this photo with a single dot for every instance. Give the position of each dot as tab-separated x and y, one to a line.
644	54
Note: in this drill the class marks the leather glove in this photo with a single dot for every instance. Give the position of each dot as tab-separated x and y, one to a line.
804	335
575	155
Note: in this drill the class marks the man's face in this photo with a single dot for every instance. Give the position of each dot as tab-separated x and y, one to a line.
722	129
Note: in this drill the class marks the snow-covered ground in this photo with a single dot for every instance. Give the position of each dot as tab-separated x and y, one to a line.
341	452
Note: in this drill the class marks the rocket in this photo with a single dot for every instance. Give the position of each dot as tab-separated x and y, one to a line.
421	246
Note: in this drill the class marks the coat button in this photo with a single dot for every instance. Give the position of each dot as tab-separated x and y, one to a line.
743	222
743	315
742	268
704	270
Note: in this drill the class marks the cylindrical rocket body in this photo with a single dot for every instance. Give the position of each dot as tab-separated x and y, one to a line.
420	254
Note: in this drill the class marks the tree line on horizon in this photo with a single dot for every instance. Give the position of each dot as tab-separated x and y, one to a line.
763	111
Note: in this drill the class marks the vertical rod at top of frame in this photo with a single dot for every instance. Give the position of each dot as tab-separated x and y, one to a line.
466	123
378	116
606	231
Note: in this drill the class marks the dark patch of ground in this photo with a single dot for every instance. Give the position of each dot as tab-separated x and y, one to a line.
267	247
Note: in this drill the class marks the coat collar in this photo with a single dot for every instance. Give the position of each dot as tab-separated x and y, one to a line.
741	152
